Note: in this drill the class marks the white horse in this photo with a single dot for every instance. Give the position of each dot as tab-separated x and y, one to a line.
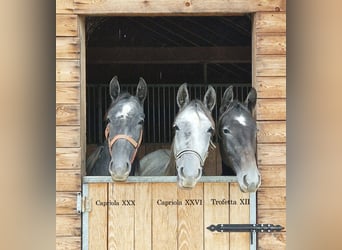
194	128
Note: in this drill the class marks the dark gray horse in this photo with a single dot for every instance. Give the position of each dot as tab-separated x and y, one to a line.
237	139
194	128
124	130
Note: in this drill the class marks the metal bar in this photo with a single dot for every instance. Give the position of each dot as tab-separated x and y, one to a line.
252	219
260	228
85	221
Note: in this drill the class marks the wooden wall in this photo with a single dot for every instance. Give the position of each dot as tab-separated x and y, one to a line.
269	78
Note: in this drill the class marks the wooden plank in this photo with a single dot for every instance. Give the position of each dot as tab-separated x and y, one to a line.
190	218
271	198
271	109
271	154
68	158
164	223
271	44
215	214
271	241
68	92
239	214
68	225
67	48
270	86
66	203
97	218
67	136
68	114
170	55
270	65
121	224
66	25
169	7
143	216
64	6
68	71
273	175
68	243
68	180
271	216
271	22
271	131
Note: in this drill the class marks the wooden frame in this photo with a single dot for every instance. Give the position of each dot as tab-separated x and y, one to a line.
269	78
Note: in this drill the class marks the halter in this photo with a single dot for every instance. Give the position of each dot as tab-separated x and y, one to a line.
190	151
128	138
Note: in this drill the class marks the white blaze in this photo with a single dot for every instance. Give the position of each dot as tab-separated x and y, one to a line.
241	119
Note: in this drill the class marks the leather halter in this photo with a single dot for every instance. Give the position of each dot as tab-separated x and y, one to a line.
128	138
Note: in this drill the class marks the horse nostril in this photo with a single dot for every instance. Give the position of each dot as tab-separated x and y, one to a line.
199	173
245	180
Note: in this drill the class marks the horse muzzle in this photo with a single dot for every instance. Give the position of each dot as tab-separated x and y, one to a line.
119	172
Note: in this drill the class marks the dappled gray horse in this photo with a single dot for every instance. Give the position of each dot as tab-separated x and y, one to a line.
194	128
237	138
124	131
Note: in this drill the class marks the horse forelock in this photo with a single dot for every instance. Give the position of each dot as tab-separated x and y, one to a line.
232	107
125	96
199	107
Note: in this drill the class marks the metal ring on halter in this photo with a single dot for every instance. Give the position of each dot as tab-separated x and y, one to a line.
190	151
128	138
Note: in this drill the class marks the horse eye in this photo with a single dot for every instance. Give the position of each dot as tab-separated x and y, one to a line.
141	122
107	120
211	130
175	127
226	131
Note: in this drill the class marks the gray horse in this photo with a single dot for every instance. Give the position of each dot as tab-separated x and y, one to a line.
194	128
237	139
124	130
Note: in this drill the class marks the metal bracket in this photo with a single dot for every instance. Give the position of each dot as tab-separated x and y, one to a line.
83	203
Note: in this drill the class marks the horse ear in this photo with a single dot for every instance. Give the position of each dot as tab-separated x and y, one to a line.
209	99
250	101
141	90
114	88
182	95
227	98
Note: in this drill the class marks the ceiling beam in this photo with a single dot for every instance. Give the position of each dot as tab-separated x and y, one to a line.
169	55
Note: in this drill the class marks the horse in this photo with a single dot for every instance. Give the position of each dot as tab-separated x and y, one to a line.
237	139
193	130
124	130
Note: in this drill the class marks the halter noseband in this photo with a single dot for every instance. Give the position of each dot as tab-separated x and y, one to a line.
190	151
128	138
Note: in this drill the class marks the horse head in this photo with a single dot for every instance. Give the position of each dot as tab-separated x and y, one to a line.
237	138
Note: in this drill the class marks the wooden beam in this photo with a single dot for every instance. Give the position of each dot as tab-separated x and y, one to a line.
149	55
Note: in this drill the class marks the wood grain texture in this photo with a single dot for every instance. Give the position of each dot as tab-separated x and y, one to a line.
67	48
64	6
270	86
121	224
68	243
68	225
274	216
238	214
143	216
68	136
66	203
190	218
68	92
215	214
97	218
68	180
271	198
271	241
270	22
66	25
271	154
273	175
271	131
165	217
68	158
270	65
67	71
271	109
68	114
270	44
202	7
